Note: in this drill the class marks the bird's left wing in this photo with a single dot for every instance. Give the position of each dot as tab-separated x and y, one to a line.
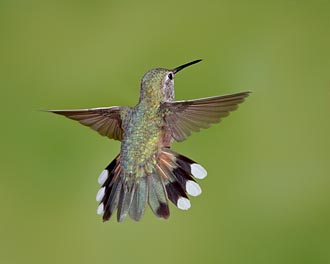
105	120
184	117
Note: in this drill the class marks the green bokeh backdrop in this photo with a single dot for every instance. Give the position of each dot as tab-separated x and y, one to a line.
267	196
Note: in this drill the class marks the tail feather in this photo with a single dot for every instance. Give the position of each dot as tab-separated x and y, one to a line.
177	195
139	201
172	178
126	197
174	189
186	164
157	198
108	195
178	171
112	202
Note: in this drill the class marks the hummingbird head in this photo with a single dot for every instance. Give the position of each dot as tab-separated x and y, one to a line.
157	85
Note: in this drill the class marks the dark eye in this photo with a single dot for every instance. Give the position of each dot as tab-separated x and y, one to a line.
170	76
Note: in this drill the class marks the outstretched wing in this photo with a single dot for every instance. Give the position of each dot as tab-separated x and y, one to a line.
106	120
184	117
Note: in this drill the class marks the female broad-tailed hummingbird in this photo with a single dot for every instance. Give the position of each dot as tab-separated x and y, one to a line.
146	170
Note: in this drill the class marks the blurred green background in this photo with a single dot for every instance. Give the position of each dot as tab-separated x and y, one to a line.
267	196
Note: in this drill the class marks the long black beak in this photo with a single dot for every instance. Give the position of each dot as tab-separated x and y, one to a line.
177	69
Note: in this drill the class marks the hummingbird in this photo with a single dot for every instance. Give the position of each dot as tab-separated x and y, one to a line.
147	170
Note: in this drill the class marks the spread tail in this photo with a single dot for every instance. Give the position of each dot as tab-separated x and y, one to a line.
172	178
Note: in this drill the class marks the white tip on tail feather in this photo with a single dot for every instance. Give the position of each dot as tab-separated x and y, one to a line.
100	194
103	177
198	171
183	203
100	209
193	188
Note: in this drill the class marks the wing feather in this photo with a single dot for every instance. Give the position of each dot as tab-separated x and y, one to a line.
185	117
106	120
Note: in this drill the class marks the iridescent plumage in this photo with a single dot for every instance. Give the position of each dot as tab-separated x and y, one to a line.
147	170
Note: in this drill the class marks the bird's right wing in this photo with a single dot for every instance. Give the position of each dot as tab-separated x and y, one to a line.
184	117
105	120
